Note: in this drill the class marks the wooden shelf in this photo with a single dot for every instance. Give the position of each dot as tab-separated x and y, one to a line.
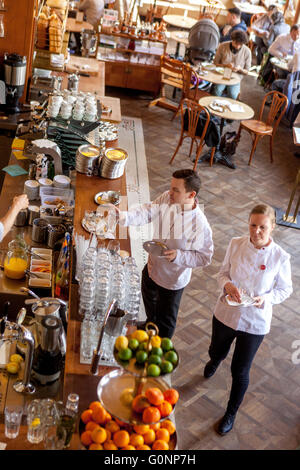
137	38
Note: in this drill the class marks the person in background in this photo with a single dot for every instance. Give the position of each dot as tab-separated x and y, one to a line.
236	55
93	10
233	23
286	44
257	266
180	224
6	223
277	29
260	27
293	66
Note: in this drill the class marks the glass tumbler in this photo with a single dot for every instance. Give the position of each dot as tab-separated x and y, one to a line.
35	422
12	417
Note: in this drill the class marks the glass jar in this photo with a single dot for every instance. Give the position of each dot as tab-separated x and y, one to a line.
16	261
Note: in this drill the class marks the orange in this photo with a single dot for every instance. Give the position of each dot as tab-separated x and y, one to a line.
144	447
163	434
112	426
108	435
109	445
171	395
151	415
154	396
149	437
95	405
141	428
139	403
86	438
99	435
91	425
99	415
155	426
160	445
86	416
96	447
129	447
121	438
120	423
165	408
169	425
108	417
136	440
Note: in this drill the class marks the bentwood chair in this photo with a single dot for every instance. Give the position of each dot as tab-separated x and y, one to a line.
171	73
195	113
268	127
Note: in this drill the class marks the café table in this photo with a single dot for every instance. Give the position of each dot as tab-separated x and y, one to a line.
281	64
180	37
178	21
218	78
246	7
225	114
74	26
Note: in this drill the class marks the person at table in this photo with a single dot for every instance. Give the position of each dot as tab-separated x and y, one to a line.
286	44
236	55
260	27
6	223
233	22
256	264
93	10
180	224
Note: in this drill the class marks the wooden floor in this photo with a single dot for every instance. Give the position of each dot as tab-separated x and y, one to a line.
269	417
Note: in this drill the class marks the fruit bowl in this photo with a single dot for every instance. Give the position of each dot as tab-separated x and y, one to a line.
111	387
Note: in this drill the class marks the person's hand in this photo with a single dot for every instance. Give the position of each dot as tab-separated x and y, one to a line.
170	255
226	29
258	301
233	292
238	68
20	202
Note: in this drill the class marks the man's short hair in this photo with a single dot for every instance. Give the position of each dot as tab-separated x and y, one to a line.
191	179
271	7
277	17
234	11
295	27
239	36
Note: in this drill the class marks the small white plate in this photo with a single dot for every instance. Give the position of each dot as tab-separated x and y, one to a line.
107	197
246	301
155	248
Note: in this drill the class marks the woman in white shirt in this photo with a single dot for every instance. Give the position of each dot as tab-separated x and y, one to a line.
256	265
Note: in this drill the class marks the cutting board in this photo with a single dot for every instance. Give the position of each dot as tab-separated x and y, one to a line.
83	64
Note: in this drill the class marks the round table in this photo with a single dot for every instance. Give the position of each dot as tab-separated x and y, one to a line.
218	78
180	21
249	8
282	64
180	37
247	113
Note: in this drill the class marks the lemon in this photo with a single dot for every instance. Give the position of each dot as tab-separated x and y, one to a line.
16	358
140	335
12	367
155	341
35	422
121	343
126	396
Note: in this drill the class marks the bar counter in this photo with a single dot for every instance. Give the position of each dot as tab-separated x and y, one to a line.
77	377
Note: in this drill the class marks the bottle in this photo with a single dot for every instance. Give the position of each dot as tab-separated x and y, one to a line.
68	418
63	270
51	171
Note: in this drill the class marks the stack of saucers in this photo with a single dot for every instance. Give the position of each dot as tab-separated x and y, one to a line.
61	181
86	158
31	188
113	163
45	182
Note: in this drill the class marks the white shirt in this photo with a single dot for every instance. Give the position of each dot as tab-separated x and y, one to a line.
93	10
244	265
283	46
294	63
1	231
262	24
188	232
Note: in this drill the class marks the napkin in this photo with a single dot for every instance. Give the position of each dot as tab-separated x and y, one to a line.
19	155
15	170
236	108
18	144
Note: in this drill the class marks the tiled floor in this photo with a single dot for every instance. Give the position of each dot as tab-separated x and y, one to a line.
269	417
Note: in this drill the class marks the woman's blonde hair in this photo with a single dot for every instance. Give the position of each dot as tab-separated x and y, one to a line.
266	210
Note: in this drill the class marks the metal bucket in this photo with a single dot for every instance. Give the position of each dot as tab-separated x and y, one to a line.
115	323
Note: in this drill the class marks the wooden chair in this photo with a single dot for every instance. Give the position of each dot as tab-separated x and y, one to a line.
194	110
259	128
171	72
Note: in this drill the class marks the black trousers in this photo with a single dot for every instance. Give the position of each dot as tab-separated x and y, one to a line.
161	305
245	349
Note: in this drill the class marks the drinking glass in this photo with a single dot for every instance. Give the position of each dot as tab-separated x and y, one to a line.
12	416
35	421
55	437
66	425
114	246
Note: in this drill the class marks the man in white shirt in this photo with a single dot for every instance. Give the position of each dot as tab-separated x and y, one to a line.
180	224
286	44
93	10
6	223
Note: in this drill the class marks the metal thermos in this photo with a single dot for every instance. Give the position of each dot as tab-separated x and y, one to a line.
39	230
21	218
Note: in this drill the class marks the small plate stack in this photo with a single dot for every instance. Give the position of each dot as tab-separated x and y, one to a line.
113	163
86	158
32	188
61	181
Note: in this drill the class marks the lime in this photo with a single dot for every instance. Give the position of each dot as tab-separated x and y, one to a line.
121	343
140	335
153	370
166	344
172	357
157	351
133	344
141	357
125	354
166	367
154	359
143	346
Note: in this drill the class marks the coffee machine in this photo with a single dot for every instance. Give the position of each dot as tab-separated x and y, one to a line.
14	77
49	355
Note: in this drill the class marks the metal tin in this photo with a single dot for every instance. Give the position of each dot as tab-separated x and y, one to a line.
55	233
34	213
21	218
39	230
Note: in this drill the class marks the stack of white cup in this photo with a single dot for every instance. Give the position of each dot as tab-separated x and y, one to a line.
31	188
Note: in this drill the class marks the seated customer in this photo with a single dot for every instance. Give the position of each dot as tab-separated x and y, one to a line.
236	55
286	44
233	23
260	27
278	28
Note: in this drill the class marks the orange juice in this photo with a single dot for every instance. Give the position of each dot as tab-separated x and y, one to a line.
14	267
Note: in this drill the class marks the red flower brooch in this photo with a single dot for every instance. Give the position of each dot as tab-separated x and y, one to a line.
262	267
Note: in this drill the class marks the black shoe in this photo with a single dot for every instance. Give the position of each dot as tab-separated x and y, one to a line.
225	160
210	368
226	424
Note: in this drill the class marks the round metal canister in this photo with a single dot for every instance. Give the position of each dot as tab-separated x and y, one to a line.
39	230
55	233
113	163
86	158
21	218
34	213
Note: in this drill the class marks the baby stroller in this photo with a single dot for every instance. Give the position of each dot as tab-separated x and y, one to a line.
204	39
